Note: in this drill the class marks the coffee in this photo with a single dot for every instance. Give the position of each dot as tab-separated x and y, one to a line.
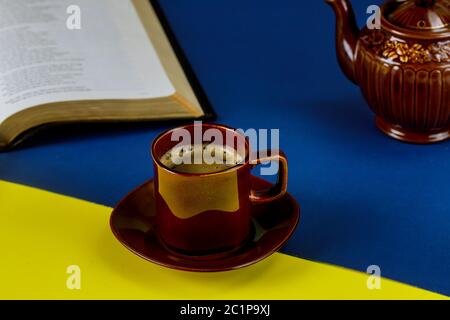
200	159
203	193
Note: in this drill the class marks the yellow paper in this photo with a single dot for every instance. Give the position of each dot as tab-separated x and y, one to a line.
43	234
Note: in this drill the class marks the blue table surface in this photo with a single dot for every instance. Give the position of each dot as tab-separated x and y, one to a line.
366	199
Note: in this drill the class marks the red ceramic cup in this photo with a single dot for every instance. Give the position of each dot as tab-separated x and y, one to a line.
209	213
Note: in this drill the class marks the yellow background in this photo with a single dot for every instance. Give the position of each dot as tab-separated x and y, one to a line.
41	234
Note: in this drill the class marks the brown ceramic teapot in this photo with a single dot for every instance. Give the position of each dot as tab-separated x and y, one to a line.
403	68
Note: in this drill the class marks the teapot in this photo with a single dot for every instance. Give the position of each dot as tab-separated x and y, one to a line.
402	67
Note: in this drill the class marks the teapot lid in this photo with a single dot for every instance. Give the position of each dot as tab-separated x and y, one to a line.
419	15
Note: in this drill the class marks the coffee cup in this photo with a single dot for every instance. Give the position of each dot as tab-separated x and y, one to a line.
203	207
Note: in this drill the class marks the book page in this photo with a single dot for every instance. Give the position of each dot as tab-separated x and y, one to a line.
43	59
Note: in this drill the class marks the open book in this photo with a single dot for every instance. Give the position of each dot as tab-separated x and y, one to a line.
101	60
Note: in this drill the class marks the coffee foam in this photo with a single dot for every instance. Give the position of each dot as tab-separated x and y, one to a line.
206	153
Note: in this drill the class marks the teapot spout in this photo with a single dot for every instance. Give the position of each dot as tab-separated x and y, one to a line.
347	33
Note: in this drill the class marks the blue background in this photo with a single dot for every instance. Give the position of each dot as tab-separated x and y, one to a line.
366	199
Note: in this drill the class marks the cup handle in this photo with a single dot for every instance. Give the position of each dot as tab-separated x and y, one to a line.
279	189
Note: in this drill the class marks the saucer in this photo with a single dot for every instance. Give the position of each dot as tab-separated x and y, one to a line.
133	224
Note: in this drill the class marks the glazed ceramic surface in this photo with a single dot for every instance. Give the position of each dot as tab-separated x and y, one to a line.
209	212
133	222
403	68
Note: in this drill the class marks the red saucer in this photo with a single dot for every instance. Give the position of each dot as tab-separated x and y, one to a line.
133	224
